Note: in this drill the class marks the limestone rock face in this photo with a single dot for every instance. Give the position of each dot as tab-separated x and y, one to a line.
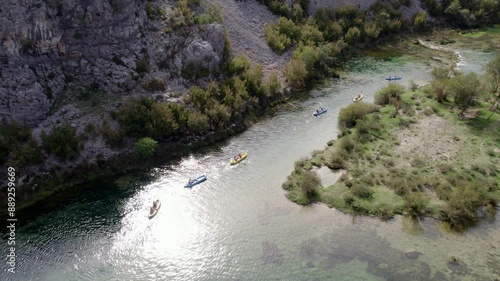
49	48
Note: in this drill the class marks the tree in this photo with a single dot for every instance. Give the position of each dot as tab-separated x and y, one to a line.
394	91
162	119
197	122
353	35
493	75
273	85
419	24
464	89
62	142
145	147
296	73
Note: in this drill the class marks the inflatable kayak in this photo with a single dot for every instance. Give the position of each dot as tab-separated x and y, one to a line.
358	98
196	181
158	205
320	111
390	78
237	159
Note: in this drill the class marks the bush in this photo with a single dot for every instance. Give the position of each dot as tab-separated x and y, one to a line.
336	160
462	206
273	85
419	24
212	14
353	35
416	203
392	91
197	122
277	42
361	190
62	142
349	115
239	64
145	147
157	84
309	183
413	86
296	73
135	116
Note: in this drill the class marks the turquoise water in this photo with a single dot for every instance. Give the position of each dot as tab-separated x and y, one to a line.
238	225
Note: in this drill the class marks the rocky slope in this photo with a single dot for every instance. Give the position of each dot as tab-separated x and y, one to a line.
54	47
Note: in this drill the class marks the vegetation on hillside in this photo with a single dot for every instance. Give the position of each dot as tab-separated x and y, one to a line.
398	164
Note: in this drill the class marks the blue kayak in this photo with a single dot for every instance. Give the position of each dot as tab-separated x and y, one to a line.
390	78
196	181
320	111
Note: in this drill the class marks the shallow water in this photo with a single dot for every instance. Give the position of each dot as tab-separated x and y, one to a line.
238	225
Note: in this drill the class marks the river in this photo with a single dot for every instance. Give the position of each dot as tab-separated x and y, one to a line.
238	225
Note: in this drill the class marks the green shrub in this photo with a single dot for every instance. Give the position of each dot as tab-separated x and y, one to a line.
156	84
309	182
273	85
349	115
135	116
296	73
413	86
461	211
277	42
392	91
253	81
361	190
416	203
336	160
419	24
197	122
163	119
239	64
212	14
353	35
145	147
62	142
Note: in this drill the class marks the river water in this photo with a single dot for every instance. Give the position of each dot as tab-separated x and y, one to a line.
238	225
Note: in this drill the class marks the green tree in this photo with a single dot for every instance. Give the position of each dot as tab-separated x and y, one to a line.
464	88
288	28
416	203
372	30
276	41
296	73
62	142
353	35
197	122
273	85
212	14
239	64
145	147
493	76
392	91
419	24
162	119
310	33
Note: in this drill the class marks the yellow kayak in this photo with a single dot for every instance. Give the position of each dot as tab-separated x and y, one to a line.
158	205
237	159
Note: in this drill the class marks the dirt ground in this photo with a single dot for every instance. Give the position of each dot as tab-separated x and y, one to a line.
432	137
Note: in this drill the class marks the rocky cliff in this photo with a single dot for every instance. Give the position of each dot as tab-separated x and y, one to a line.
54	48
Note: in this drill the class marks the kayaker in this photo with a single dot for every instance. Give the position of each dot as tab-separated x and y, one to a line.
151	210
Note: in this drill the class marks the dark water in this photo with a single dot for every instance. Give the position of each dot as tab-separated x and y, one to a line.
238	225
